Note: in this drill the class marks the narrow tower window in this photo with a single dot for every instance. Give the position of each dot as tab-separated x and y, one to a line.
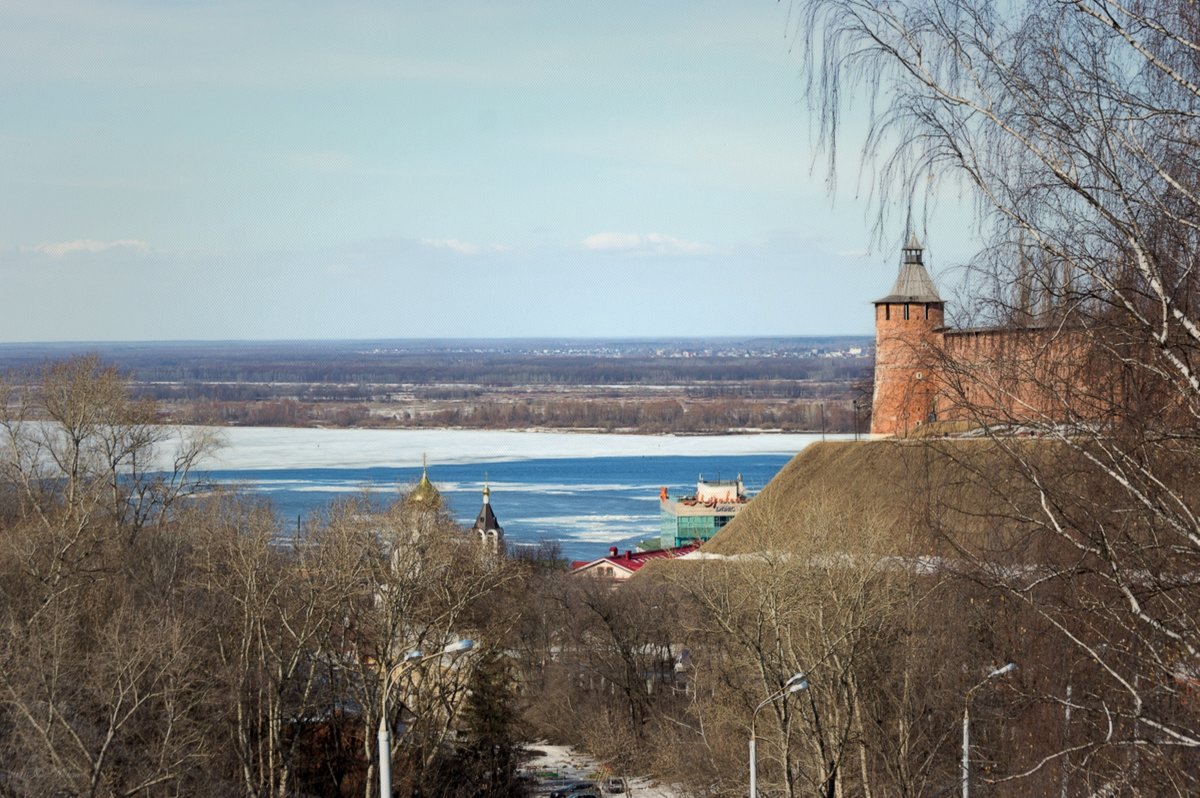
906	311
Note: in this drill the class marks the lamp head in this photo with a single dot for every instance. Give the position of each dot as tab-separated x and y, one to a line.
797	683
459	646
1009	668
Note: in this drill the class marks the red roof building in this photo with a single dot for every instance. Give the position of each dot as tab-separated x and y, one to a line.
622	566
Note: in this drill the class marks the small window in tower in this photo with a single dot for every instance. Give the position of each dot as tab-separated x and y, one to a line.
887	312
906	311
926	311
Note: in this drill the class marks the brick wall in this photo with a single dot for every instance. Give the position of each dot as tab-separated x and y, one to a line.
908	346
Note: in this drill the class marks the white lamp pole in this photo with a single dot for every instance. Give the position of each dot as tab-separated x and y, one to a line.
966	736
792	685
407	663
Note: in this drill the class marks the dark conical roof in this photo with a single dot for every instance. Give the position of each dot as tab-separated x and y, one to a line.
913	284
486	520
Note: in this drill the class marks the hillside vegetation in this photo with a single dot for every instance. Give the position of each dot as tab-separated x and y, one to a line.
899	577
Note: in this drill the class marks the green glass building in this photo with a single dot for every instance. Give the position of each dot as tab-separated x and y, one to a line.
696	518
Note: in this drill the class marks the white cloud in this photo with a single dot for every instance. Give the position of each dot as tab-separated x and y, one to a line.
644	243
61	248
453	244
463	247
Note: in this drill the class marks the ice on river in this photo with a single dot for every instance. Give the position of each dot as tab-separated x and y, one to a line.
249	448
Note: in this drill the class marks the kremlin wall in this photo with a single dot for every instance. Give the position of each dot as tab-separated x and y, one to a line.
926	372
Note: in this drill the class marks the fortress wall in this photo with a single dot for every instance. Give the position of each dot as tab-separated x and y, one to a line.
1022	375
1002	375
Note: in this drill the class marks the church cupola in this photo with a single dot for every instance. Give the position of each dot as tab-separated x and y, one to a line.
425	494
486	528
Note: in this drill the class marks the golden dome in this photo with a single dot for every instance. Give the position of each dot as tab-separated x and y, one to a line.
425	493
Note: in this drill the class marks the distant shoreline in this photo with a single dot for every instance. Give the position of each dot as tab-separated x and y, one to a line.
532	430
642	387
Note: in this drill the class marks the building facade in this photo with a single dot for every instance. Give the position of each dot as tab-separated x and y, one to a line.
696	518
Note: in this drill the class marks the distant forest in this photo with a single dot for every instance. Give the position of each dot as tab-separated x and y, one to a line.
676	385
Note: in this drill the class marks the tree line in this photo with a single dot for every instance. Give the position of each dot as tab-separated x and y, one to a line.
638	415
342	371
160	639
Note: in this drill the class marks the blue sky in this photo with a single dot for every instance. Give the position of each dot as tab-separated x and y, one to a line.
222	170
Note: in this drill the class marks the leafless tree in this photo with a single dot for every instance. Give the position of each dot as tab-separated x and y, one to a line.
81	452
1073	127
418	584
813	594
96	692
152	646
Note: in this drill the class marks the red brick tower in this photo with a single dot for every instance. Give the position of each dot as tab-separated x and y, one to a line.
908	339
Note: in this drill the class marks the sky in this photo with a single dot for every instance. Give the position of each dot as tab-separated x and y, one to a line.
268	170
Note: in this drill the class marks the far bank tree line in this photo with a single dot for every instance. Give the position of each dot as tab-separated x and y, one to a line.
713	416
260	386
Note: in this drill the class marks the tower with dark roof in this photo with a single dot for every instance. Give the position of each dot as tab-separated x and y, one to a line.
908	330
487	529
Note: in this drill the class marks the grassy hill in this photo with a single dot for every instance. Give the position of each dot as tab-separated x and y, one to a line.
902	497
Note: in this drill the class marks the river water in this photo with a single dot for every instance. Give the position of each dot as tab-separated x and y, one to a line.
586	491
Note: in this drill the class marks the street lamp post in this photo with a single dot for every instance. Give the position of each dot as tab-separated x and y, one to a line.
407	663
966	730
792	685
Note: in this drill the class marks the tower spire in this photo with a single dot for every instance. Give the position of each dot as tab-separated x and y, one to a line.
913	283
486	528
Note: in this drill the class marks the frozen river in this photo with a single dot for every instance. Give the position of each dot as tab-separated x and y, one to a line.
588	491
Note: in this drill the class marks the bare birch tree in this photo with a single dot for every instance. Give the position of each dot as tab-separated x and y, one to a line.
813	594
1074	128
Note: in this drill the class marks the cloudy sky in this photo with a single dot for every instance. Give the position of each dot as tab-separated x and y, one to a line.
225	170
